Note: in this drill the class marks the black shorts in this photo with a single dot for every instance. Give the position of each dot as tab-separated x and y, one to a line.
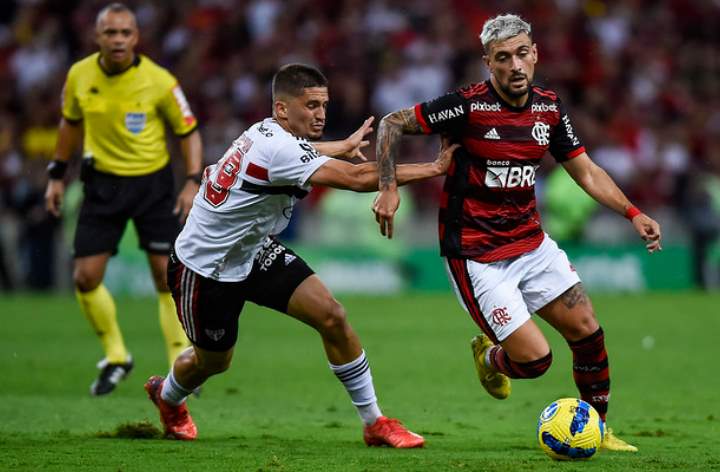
111	200
209	310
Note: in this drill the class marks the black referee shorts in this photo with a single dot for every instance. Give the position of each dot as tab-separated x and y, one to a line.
111	200
209	310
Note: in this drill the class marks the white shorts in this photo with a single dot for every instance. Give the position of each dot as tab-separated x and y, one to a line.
500	296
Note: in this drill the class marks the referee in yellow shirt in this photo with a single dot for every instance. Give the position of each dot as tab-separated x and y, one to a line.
121	101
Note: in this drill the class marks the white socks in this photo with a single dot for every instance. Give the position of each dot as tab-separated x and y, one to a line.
356	377
172	392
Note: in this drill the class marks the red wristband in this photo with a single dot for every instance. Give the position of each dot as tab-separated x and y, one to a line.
632	212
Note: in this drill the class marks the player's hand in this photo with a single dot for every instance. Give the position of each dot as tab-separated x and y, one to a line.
385	205
54	196
649	231
445	156
356	141
185	200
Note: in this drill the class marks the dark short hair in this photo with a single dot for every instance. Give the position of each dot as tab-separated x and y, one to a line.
115	7
291	79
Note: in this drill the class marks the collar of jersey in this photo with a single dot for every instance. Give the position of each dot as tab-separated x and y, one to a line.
135	63
528	102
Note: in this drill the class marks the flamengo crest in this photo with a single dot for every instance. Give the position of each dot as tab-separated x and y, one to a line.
541	133
500	316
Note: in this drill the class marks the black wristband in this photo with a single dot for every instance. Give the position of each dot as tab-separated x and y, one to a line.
197	178
56	169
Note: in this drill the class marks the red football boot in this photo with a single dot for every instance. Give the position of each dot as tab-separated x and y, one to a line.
390	432
176	419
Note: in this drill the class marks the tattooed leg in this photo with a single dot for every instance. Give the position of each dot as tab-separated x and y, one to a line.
574	295
571	314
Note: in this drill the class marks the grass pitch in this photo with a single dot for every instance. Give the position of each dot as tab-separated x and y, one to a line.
279	408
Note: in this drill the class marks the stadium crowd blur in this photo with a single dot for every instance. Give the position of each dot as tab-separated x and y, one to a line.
641	79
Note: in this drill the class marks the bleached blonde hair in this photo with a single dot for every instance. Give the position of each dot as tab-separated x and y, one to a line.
501	28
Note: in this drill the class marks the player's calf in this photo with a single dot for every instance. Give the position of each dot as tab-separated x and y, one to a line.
499	360
591	370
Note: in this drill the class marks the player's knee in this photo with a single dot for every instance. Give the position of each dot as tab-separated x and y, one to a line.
85	281
537	367
583	327
333	319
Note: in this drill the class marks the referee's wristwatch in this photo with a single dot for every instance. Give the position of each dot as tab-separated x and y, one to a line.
197	178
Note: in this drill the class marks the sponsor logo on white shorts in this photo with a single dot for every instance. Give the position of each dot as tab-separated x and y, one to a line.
500	316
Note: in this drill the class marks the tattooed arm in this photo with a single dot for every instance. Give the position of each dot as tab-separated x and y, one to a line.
389	133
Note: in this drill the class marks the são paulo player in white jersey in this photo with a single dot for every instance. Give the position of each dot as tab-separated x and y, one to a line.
227	253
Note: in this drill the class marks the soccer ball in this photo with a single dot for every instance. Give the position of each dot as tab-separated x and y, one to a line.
570	429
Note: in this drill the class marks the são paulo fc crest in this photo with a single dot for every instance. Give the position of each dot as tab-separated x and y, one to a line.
135	122
215	334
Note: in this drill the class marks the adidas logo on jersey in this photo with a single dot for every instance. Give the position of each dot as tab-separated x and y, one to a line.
492	134
289	258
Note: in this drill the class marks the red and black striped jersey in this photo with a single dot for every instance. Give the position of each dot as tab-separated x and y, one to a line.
488	209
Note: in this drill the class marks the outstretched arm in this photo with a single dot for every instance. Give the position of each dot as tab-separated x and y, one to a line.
598	184
350	147
390	130
364	177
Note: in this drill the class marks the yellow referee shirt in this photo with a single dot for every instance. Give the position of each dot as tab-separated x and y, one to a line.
123	114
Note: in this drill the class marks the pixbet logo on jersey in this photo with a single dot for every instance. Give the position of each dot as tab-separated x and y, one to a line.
482	106
500	174
543	107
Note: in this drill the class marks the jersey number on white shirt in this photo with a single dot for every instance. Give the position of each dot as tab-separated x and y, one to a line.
216	192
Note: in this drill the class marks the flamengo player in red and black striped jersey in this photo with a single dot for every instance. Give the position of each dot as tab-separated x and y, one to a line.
502	265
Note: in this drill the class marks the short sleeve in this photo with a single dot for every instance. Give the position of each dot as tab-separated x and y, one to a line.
294	163
564	142
444	114
175	107
71	110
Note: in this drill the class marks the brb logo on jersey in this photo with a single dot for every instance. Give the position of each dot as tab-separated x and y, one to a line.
500	174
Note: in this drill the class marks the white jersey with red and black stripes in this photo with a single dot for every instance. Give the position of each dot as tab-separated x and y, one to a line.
245	197
487	209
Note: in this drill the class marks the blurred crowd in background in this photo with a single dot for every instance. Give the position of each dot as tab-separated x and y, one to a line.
641	79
